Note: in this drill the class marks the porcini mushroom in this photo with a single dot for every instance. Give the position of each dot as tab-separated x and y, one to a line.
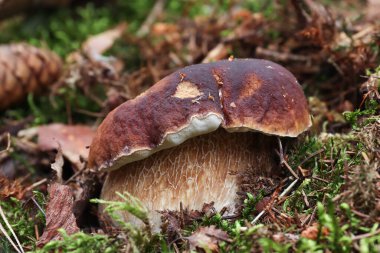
228	112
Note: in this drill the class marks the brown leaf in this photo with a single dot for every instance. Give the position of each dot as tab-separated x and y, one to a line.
373	10
262	204
59	214
312	232
57	166
94	46
171	224
160	28
207	238
74	140
10	188
305	172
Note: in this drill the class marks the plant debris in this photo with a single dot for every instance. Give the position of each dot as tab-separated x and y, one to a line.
326	196
73	140
207	238
59	214
25	69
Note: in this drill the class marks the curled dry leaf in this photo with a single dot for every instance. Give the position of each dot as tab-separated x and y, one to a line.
96	45
74	140
59	214
207	238
57	166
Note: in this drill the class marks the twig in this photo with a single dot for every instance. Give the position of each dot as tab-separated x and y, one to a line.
154	13
359	237
176	248
362	215
74	176
311	156
8	143
38	206
279	197
36	232
310	217
286	191
258	217
89	113
10	229
315	210
280	56
36	184
341	195
320	179
280	213
305	198
283	161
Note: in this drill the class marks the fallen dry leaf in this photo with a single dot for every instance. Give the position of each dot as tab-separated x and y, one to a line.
57	166
207	238
74	140
96	45
262	204
312	232
174	221
59	214
373	10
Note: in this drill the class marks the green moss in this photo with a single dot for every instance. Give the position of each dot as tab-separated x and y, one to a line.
64	29
81	242
326	168
249	205
23	220
360	118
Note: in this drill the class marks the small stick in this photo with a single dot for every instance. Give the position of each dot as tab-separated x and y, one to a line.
320	179
36	232
359	237
315	210
258	217
38	206
74	176
280	213
286	191
281	195
8	143
36	184
311	156
283	161
305	198
154	13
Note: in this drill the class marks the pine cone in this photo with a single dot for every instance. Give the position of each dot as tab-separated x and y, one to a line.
25	69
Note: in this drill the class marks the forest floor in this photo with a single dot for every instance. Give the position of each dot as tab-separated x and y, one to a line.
328	197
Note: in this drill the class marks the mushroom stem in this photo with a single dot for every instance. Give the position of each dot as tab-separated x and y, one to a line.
204	169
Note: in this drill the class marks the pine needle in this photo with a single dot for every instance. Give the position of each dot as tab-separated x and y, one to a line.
20	249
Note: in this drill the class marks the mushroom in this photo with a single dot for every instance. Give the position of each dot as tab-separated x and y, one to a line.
198	135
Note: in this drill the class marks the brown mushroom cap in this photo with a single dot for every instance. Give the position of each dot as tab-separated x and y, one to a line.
239	95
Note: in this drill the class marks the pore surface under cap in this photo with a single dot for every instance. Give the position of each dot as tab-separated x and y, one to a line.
238	95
